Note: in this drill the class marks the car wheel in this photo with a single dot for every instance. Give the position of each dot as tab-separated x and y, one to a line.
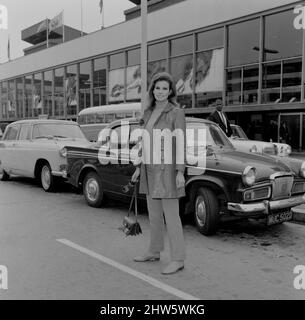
206	211
5	176
93	190
46	178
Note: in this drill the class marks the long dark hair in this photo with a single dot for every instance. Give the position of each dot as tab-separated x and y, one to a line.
162	76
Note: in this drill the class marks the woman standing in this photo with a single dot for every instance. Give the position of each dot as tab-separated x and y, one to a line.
163	183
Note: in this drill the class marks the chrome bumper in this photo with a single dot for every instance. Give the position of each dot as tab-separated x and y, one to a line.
266	206
62	174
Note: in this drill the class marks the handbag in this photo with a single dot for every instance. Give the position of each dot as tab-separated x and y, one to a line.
130	225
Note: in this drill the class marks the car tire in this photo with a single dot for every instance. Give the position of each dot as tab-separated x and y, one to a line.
5	176
206	211
47	180
93	190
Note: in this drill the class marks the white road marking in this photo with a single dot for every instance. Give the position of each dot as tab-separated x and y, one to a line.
139	275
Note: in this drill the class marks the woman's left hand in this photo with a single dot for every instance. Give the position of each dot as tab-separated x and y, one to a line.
180	181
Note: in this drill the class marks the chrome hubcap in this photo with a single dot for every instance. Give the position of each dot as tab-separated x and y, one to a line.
45	177
201	213
92	189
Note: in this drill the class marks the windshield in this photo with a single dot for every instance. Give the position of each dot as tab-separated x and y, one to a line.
239	132
57	130
215	137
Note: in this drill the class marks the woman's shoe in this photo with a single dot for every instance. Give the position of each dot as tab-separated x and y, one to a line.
147	257
173	267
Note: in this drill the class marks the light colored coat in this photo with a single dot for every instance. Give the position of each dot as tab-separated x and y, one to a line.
163	178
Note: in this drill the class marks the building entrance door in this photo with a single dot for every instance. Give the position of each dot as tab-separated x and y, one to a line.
290	132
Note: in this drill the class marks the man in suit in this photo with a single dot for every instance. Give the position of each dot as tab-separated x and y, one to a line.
219	117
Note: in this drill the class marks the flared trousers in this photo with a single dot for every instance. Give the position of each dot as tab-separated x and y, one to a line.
170	209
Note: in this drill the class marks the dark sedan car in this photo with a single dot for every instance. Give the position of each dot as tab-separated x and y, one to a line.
222	183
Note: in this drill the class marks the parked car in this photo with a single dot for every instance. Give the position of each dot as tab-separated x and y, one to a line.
34	148
240	140
224	182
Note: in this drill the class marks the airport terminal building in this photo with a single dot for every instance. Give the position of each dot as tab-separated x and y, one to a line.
249	53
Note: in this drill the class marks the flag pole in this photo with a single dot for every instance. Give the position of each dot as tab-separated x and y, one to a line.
63	27
47	25
143	52
81	17
8	48
103	17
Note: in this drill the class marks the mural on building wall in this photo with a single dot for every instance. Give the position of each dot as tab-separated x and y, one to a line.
182	71
37	104
133	86
155	67
209	71
71	90
116	85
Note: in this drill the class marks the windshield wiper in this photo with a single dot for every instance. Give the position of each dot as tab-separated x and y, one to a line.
56	136
44	137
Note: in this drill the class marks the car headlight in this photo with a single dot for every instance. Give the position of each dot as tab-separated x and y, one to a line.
63	152
253	149
248	176
302	170
288	150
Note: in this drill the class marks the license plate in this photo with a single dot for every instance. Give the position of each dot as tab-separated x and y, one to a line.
279	217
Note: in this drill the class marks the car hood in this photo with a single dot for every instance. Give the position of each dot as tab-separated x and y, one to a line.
246	145
235	162
60	143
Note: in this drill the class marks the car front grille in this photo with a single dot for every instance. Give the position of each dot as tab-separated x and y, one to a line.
281	187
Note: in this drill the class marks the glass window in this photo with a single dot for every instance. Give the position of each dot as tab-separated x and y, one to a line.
11	99
182	72
12	133
133	57
234	86
84	85
25	132
250	84
209	76
84	75
116	85
157	51
282	40
207	99
292	76
70	87
243	42
47	92
185	101
181	45
99	96
271	82
155	67
37	102
133	85
28	96
209	39
117	61
4	99
59	91
99	72
19	84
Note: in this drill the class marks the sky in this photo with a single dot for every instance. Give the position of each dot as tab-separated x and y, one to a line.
24	13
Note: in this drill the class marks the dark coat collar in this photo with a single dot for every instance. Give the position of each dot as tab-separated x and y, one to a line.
147	113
